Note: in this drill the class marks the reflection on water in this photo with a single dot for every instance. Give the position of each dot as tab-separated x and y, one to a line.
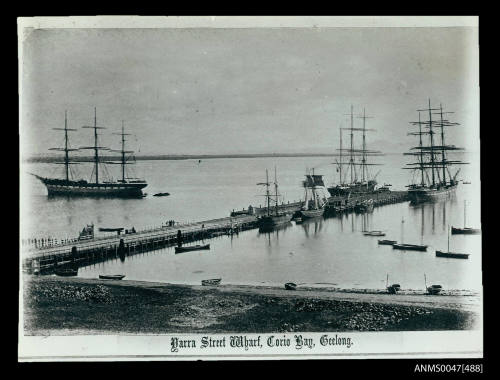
329	250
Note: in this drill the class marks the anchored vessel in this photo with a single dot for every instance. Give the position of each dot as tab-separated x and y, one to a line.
436	181
465	230
272	219
316	196
125	187
360	181
451	255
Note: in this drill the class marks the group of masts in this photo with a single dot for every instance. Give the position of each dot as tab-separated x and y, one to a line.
96	148
352	152
433	156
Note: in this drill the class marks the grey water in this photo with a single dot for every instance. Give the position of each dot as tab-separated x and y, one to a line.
321	251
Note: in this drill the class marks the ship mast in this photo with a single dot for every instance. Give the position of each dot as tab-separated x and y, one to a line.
123	152
430	150
276	190
96	147
66	148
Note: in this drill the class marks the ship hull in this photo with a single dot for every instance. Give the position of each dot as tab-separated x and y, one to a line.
431	195
273	221
357	188
84	189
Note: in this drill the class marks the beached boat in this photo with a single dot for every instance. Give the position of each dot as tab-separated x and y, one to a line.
374	233
290	286
211	282
192	248
433	158
465	230
272	219
387	242
434	289
111	276
126	187
391	289
66	272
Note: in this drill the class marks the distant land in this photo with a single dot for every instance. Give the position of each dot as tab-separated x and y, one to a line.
50	158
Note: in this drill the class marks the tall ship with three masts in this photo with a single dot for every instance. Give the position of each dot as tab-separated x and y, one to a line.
273	218
316	196
125	187
435	181
352	164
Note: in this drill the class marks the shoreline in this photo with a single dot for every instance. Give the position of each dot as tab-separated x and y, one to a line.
73	306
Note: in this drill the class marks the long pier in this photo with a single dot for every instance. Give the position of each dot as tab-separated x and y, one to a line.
47	259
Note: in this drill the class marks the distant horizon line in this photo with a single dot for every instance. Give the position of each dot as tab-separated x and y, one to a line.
42	157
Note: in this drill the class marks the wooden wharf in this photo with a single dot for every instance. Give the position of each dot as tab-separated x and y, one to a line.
45	259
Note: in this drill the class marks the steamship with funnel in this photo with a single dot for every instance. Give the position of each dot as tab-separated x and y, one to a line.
432	162
126	187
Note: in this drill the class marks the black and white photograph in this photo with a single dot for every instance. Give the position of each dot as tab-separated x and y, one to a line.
249	187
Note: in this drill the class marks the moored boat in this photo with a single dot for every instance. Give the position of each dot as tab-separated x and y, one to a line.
316	196
387	242
465	230
290	286
410	247
374	233
439	183
161	194
452	255
364	206
275	218
125	188
192	248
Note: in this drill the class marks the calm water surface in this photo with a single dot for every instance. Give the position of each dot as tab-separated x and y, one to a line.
329	251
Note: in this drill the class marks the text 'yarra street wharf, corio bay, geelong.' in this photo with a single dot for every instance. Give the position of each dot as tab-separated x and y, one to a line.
246	342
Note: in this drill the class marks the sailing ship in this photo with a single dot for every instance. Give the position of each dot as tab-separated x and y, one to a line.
316	196
465	230
439	183
360	181
126	187
272	219
408	247
451	255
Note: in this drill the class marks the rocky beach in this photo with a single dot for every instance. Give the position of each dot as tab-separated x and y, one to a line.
66	306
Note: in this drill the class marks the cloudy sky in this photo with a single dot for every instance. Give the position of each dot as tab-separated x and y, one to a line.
213	91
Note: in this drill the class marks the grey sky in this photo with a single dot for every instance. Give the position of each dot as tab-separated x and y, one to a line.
195	91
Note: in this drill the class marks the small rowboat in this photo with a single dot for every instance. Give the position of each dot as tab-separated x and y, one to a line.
161	194
374	233
66	272
111	276
290	286
387	242
211	282
191	248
